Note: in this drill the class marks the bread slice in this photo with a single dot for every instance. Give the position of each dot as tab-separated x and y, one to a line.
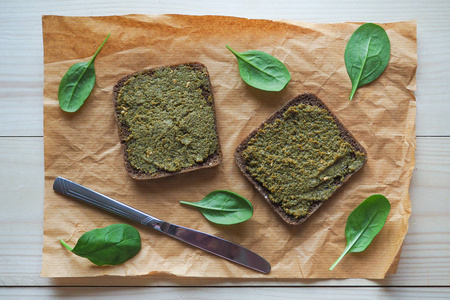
154	96
308	100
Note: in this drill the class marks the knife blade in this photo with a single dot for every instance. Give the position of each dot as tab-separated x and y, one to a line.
212	244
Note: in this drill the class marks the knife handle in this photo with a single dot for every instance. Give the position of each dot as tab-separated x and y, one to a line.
70	188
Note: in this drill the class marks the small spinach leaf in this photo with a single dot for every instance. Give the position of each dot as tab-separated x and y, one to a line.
366	55
364	223
224	207
77	84
261	70
112	245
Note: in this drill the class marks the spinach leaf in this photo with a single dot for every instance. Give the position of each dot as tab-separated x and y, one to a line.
261	70
366	55
224	207
112	245
364	223
77	84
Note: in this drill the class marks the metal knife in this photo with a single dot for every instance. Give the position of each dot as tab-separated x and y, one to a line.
204	241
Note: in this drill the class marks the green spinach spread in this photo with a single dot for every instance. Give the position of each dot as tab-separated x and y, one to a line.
300	158
170	123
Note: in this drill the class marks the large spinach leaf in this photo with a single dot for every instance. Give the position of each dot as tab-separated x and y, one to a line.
77	84
261	70
224	207
112	245
366	55
364	223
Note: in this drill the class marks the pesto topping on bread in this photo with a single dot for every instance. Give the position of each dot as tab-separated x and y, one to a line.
300	158
170	124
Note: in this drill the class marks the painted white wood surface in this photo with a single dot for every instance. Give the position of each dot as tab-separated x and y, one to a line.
218	293
21	47
425	259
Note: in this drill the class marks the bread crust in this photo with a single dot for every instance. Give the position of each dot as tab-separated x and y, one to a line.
308	99
211	161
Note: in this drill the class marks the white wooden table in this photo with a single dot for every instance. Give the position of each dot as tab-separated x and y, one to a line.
424	269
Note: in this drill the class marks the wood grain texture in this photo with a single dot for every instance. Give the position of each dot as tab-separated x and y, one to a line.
425	259
21	68
206	293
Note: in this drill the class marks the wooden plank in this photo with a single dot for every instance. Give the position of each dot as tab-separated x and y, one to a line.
218	293
425	258
21	70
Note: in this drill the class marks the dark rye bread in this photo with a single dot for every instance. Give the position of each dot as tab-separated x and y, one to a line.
211	161
308	99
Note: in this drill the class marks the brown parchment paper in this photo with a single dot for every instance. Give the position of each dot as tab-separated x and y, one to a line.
84	146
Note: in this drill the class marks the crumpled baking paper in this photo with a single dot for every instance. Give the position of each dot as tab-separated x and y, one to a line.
84	146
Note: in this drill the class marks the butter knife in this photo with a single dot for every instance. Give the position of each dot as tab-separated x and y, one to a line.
204	241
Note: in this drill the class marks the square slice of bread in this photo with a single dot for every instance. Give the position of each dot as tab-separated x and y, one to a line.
163	103
308	100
